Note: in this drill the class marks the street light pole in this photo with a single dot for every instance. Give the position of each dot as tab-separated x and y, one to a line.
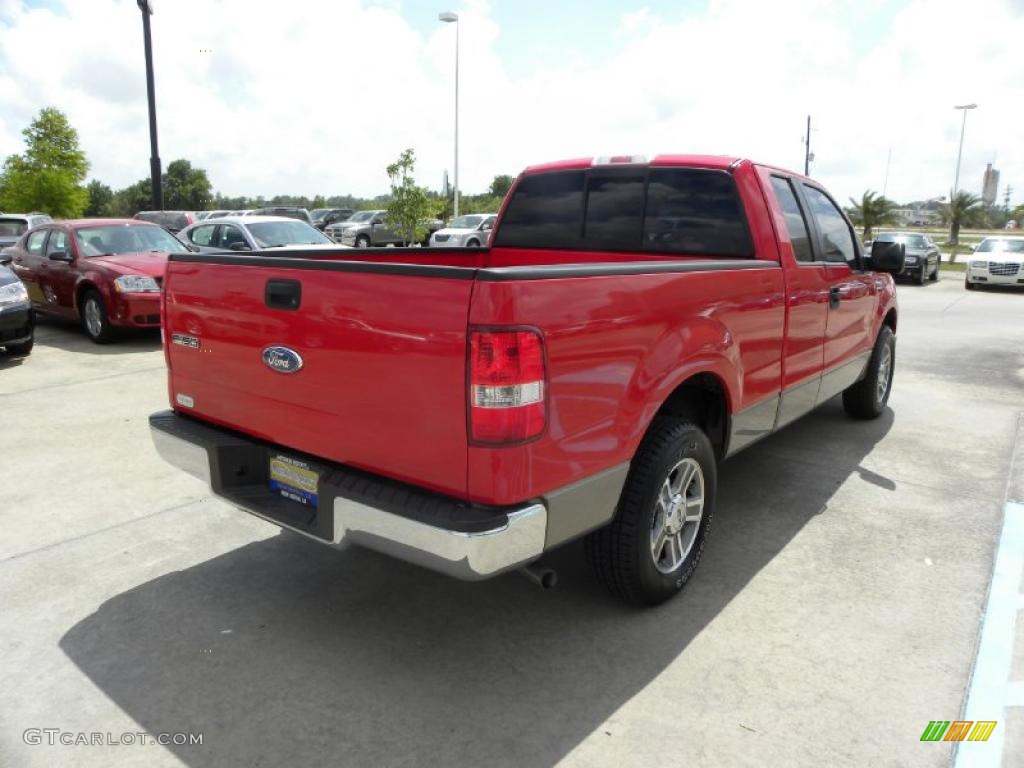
146	6
449	17
959	154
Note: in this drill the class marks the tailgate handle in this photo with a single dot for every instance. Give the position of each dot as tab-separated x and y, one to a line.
284	294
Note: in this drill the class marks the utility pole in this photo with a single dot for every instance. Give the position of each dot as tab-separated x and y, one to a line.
154	158
888	161
807	149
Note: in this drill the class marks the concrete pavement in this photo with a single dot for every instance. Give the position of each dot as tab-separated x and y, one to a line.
835	613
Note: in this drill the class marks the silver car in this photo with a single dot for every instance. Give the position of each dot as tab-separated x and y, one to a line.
14	225
253	233
470	231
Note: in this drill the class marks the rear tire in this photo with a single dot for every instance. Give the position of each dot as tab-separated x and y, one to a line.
867	398
94	318
20	350
651	548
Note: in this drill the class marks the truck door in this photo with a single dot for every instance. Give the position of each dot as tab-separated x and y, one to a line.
851	296
807	290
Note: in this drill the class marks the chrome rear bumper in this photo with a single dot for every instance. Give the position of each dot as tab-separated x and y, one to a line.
445	535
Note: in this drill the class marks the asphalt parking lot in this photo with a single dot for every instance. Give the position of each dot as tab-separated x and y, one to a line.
836	611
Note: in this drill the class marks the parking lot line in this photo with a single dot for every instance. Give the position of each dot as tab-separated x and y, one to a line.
990	689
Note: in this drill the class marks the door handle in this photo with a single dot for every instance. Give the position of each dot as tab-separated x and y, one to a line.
283	294
834	296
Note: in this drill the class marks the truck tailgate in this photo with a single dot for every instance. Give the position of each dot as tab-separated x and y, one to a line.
383	376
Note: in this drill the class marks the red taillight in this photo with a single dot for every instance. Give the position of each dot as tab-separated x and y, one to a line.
506	386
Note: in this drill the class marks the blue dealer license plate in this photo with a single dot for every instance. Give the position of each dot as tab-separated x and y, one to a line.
294	480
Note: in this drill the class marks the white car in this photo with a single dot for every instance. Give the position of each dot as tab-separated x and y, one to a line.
996	261
469	231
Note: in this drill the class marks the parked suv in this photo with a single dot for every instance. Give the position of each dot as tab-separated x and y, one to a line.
14	225
172	221
288	211
324	217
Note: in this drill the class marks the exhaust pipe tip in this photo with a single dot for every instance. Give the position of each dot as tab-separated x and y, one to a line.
545	578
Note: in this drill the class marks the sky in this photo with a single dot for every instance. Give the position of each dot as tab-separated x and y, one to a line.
319	96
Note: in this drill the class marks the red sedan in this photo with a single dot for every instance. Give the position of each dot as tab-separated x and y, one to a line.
104	272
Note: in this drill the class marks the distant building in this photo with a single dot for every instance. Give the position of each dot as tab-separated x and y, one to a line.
990	185
914	216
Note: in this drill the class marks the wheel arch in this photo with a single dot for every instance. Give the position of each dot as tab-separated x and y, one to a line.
703	398
86	284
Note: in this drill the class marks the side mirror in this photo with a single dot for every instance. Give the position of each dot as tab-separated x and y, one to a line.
59	256
377	220
238	245
486	226
5	258
887	257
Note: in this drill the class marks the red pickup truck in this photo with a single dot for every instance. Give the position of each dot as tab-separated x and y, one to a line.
632	324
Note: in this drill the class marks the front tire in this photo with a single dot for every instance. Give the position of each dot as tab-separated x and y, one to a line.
934	276
922	275
867	398
651	548
362	242
474	243
94	318
969	285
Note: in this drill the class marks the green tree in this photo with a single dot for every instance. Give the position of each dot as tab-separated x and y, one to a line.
872	210
49	176
410	206
501	185
100	197
186	188
962	211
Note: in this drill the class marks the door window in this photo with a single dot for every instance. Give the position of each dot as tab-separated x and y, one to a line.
58	242
34	245
796	225
202	235
836	237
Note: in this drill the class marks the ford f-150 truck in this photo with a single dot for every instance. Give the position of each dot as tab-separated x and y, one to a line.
632	324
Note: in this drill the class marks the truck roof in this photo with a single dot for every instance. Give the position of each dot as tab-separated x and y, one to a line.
579	163
723	162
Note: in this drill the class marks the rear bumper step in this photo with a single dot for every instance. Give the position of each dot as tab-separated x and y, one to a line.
462	540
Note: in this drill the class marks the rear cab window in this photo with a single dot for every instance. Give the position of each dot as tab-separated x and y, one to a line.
685	211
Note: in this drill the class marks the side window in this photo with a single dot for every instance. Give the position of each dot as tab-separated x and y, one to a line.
545	212
796	225
695	211
615	209
34	244
836	238
58	242
202	235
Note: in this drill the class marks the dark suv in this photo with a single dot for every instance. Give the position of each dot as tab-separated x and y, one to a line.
324	217
172	221
289	211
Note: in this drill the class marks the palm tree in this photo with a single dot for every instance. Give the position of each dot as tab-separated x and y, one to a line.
873	210
962	210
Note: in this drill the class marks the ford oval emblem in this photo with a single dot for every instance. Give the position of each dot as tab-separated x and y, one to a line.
282	359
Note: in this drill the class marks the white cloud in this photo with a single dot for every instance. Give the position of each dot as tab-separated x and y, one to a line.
319	100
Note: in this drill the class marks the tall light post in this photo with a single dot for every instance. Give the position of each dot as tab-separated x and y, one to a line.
960	153
449	17
146	6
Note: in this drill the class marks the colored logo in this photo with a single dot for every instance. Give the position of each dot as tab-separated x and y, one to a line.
958	730
282	359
